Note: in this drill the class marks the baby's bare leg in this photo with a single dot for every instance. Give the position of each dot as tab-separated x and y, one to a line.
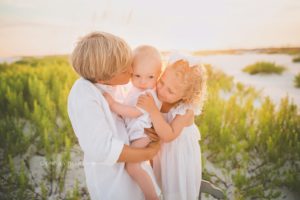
140	176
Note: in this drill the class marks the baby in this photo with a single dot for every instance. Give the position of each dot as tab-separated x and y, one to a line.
147	67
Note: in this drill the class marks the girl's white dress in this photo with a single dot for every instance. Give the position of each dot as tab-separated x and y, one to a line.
177	166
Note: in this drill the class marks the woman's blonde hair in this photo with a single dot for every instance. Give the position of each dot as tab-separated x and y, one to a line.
193	79
100	56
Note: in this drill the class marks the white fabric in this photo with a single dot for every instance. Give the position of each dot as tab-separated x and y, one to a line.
101	135
177	166
135	126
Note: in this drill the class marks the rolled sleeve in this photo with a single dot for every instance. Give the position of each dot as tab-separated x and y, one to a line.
93	129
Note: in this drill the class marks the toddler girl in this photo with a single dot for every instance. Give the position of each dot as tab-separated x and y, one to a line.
181	89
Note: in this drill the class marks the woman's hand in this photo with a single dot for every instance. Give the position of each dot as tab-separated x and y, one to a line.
147	103
153	148
108	98
151	133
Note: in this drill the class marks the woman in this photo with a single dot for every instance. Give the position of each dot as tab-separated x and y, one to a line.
104	61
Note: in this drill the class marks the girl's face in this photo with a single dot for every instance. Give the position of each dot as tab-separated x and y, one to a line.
169	89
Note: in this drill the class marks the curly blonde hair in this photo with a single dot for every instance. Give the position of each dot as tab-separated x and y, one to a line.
193	79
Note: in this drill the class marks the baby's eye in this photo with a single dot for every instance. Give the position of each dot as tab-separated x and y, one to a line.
137	76
151	77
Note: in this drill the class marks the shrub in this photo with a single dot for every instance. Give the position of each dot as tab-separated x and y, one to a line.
264	68
297	80
296	59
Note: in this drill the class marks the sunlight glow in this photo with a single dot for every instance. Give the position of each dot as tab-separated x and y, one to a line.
36	27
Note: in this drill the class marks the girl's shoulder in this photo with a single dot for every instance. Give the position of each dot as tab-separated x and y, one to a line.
182	109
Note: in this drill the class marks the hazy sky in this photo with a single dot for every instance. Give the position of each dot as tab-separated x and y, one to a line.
37	27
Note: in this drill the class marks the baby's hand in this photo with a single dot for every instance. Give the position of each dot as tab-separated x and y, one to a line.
147	103
108	98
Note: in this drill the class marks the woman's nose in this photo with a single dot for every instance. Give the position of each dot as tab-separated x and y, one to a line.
130	70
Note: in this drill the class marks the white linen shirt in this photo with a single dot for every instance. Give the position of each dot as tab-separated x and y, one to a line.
101	135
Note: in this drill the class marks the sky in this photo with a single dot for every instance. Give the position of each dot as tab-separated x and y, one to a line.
38	27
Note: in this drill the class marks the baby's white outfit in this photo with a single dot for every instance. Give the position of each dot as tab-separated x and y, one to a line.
177	166
135	126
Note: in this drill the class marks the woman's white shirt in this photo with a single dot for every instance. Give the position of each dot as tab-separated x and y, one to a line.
101	135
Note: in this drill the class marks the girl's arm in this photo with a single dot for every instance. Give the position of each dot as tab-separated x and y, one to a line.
121	109
167	132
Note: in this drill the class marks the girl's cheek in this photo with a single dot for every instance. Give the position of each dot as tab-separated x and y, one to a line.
158	85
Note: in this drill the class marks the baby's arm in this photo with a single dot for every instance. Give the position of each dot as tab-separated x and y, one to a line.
121	109
167	132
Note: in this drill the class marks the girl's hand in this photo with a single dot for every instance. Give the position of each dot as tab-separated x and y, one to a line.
152	134
108	98
147	103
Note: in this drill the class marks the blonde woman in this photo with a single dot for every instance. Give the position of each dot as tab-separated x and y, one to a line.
104	61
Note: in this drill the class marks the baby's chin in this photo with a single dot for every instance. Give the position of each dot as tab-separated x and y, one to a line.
143	87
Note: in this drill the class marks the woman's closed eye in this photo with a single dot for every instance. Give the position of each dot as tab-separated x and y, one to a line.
170	91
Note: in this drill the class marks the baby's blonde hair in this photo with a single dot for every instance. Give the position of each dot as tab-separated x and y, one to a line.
147	51
100	56
193	79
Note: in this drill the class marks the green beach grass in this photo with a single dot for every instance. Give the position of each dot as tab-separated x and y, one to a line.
256	148
297	80
264	68
296	59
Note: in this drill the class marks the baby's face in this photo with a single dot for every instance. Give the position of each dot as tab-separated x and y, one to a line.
145	74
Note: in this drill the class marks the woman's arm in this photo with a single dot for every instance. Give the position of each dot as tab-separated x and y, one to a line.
121	109
131	154
167	132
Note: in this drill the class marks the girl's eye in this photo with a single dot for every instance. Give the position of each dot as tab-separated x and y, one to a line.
136	75
151	77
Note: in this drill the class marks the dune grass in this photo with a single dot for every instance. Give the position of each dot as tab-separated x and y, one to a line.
297	80
264	68
256	148
296	59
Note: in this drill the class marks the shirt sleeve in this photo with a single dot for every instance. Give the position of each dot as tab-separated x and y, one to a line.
93	130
